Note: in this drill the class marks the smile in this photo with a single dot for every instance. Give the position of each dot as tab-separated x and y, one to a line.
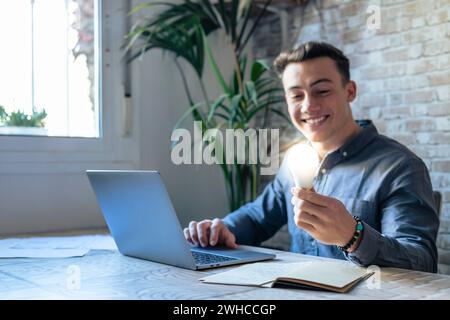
315	121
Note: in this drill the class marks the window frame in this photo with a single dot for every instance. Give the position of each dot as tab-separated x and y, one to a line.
115	147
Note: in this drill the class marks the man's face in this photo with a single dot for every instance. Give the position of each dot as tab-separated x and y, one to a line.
318	101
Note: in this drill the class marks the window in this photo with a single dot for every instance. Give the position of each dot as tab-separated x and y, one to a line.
43	185
101	134
50	70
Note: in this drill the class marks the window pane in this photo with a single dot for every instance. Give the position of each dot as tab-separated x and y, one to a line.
49	65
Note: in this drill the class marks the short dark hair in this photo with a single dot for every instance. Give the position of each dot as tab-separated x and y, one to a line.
310	50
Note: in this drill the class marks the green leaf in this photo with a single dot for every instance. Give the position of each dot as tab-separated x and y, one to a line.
21	119
254	26
281	114
177	30
234	107
245	14
214	67
225	16
272	91
238	73
221	115
233	19
143	6
3	114
262	82
186	114
259	67
263	105
215	105
251	92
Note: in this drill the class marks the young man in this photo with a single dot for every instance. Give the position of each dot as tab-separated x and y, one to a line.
372	201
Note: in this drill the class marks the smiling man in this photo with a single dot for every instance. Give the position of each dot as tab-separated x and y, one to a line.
372	201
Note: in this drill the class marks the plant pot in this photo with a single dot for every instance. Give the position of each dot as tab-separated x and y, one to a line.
23	131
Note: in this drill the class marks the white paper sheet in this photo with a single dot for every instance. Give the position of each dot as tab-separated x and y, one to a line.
54	247
42	253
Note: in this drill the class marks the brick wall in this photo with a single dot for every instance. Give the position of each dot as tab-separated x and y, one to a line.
402	70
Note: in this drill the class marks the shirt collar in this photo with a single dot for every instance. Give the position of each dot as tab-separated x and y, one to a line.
351	147
358	142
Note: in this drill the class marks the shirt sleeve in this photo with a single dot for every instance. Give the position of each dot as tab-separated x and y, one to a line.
259	220
409	224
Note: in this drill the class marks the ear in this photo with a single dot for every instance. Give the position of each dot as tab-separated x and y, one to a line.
351	90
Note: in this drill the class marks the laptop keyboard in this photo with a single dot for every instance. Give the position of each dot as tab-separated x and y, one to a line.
209	258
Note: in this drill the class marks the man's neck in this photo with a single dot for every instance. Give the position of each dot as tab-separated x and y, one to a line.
325	147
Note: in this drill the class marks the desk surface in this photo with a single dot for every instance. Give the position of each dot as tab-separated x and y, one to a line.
109	275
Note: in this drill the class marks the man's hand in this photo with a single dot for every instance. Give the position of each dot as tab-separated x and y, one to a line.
326	219
209	233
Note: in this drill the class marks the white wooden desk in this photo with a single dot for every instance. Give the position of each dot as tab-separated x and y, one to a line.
109	275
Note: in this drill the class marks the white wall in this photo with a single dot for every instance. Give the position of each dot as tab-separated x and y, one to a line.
41	202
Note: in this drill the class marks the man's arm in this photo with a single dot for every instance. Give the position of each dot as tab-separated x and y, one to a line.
260	219
409	224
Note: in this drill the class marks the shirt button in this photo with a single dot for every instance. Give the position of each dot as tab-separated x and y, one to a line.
344	153
324	171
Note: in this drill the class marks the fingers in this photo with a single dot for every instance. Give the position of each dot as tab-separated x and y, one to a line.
305	221
229	238
203	229
193	232
301	205
296	211
187	235
209	232
307	227
295	201
214	232
221	234
306	217
311	196
313	209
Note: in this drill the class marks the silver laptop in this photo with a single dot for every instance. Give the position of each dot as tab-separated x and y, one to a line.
143	222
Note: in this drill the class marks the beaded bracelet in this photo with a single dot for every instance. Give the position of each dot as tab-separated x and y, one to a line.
358	231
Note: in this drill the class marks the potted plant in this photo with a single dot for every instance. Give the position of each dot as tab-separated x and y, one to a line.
182	29
20	123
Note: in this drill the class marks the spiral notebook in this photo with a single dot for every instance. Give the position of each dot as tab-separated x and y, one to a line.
328	275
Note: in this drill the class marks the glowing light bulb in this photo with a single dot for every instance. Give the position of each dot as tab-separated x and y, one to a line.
303	162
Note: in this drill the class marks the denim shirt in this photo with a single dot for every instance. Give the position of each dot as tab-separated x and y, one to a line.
378	180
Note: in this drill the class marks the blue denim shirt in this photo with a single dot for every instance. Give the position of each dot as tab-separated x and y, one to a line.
377	179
